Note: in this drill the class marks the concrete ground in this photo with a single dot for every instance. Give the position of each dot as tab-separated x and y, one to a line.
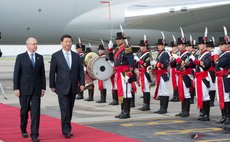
145	126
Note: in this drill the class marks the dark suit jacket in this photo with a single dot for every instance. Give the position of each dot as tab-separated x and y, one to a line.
28	78
62	78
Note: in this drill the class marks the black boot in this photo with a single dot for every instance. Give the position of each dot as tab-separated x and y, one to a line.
223	116
80	96
165	105
185	113
182	109
161	105
192	97
146	105
103	97
115	98
144	101
201	115
90	93
126	113
122	111
227	112
206	111
175	96
212	95
133	100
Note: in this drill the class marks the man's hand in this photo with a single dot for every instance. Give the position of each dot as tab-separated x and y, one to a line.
53	90
137	59
202	64
43	93
81	88
182	64
17	92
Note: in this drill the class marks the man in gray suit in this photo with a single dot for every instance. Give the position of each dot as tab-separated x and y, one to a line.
29	85
66	80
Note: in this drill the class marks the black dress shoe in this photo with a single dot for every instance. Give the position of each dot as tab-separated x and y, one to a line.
68	135
35	140
24	134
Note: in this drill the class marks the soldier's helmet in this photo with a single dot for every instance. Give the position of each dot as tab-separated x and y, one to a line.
143	43
87	50
161	42
181	40
120	35
100	47
224	40
202	40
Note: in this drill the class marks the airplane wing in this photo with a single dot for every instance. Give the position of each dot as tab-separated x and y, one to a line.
193	16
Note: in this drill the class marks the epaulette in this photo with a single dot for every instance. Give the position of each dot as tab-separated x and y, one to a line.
128	50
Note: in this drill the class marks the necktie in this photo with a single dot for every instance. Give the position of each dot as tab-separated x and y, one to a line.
67	59
32	59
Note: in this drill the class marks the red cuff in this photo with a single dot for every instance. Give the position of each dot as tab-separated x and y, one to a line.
129	74
197	62
141	62
158	64
178	60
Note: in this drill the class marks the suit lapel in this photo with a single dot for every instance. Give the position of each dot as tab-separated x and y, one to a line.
37	60
73	61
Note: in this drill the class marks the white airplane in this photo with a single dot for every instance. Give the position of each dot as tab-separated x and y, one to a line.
93	20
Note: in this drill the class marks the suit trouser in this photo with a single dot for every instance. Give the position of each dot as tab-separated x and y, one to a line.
66	104
30	103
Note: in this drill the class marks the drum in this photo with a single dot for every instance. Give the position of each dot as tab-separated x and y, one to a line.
88	81
100	68
88	57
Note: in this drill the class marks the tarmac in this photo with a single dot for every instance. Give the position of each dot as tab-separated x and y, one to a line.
145	126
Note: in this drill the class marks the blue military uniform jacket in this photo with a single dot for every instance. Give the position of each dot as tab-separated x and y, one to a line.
222	64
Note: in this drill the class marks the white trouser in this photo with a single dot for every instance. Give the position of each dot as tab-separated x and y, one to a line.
115	84
212	85
186	90
163	88
147	84
205	91
127	87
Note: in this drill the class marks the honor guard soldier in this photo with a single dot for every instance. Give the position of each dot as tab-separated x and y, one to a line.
190	48
223	78
123	66
183	80
102	83
202	84
173	75
143	61
80	48
211	72
162	77
114	86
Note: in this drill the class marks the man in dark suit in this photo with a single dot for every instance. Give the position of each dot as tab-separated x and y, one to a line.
66	75
29	85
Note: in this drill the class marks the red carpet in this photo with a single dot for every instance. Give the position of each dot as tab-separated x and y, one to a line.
50	130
